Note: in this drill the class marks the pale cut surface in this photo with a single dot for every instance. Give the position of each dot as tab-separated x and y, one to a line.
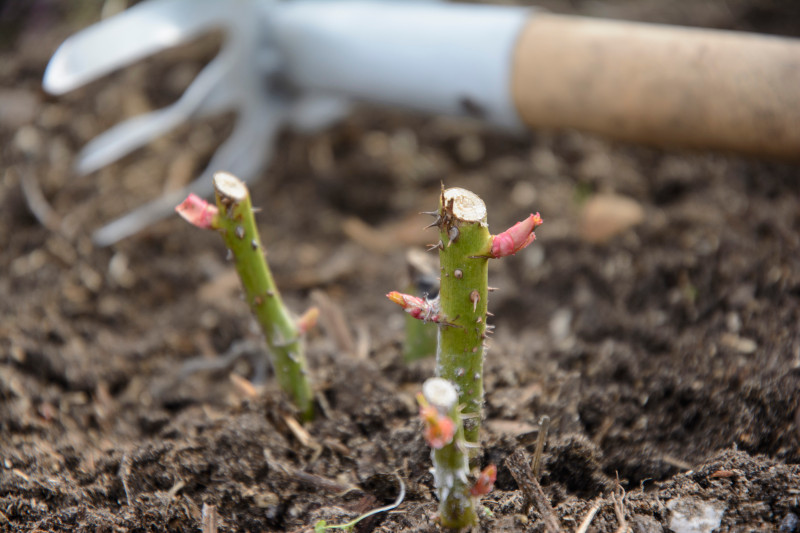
230	186
467	206
440	393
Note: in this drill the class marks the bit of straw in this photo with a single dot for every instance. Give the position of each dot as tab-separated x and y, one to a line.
589	517
209	520
544	425
519	467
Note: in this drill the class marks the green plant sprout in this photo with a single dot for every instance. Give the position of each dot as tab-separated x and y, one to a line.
321	525
465	247
233	218
444	433
420	337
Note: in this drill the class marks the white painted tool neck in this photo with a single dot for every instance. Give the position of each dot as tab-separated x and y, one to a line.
436	57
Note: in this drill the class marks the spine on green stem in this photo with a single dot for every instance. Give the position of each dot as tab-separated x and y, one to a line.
234	218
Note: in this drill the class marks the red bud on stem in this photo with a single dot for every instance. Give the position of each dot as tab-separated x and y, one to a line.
516	237
415	306
439	428
198	212
485	482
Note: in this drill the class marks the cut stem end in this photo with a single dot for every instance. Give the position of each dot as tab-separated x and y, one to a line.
229	186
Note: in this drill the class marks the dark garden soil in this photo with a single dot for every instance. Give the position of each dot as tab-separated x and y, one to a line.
665	352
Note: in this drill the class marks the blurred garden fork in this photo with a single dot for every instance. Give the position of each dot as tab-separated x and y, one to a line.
237	79
302	62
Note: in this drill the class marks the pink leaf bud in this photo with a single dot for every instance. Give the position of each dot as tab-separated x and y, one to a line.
516	237
198	212
439	429
419	308
483	485
308	320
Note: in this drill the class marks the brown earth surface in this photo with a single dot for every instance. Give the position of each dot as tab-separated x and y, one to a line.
134	392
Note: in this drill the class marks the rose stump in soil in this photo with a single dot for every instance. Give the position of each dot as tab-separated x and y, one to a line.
444	433
465	247
233	218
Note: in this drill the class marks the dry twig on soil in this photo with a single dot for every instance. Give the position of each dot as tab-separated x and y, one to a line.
519	466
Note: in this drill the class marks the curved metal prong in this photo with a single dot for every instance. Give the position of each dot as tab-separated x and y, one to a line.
136	132
134	34
245	154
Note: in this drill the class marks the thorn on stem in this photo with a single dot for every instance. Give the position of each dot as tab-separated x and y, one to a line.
433	224
439	245
452	235
474	297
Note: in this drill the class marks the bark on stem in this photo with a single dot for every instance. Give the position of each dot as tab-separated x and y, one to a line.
464	245
237	225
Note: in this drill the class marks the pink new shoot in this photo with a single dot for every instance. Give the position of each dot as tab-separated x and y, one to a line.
417	307
308	320
516	237
198	212
439	428
485	482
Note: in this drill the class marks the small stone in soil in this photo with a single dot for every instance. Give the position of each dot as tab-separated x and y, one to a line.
688	515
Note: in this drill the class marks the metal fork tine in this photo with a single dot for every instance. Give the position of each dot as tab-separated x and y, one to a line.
245	153
249	149
135	132
126	137
134	34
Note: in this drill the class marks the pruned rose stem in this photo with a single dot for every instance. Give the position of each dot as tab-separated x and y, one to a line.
236	222
444	432
451	403
465	247
465	243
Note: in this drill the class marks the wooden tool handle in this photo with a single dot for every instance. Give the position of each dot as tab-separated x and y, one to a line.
660	85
